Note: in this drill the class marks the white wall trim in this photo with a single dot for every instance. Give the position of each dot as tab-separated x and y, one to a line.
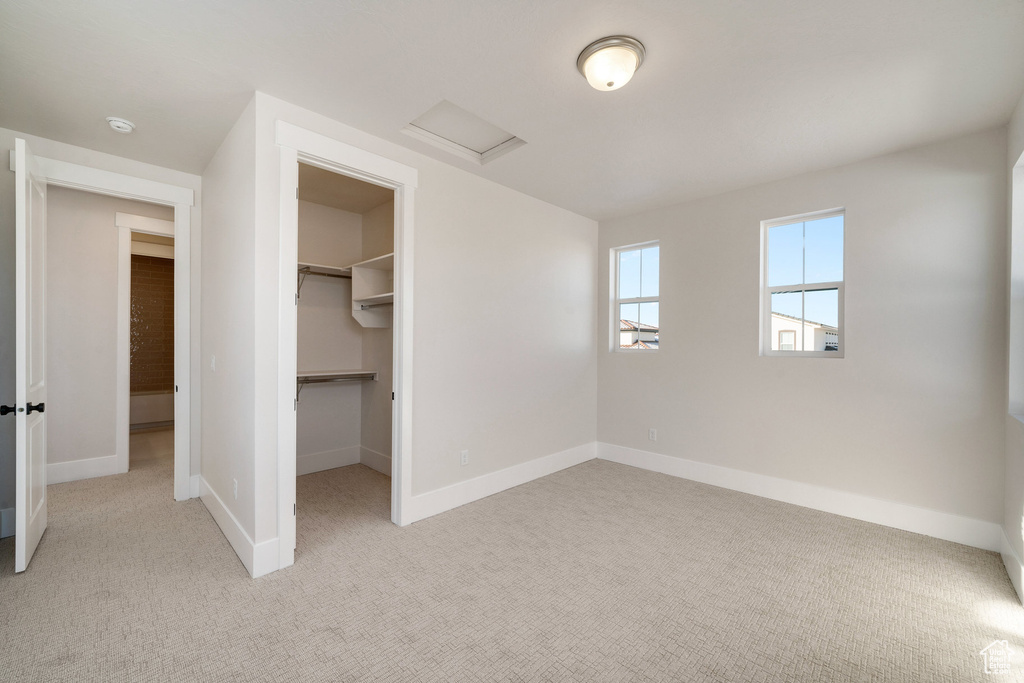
257	558
969	531
78	177
434	502
6	522
144	224
326	460
122	400
97	181
73	470
375	460
194	486
298	144
1013	564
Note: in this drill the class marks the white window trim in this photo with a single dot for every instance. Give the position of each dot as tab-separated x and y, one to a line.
766	291
616	302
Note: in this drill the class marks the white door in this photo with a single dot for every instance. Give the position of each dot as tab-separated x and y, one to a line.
30	351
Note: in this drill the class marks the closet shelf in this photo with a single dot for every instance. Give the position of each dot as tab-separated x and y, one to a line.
330	271
323	377
376	300
385	262
335	376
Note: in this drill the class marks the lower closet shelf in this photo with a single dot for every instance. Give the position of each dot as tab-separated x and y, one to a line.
322	377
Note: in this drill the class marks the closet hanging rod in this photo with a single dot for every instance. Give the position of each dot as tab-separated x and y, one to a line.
348	377
308	270
303	380
363	307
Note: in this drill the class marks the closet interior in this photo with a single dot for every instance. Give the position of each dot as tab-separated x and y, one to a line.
345	307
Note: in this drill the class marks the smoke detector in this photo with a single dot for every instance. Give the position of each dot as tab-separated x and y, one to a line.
121	125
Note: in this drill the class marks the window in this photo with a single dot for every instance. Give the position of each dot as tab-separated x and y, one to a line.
635	325
802	290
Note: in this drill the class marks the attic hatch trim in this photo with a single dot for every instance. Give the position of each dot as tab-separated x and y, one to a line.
457	149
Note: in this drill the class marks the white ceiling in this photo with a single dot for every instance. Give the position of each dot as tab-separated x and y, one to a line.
732	92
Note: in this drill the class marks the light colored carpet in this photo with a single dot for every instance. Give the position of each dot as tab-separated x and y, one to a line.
597	573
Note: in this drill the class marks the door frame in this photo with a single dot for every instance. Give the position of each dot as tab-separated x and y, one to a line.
127	224
298	144
182	199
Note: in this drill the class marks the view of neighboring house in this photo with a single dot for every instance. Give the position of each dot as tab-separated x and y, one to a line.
794	334
633	335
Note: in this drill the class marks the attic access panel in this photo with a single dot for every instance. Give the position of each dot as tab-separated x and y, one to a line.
455	130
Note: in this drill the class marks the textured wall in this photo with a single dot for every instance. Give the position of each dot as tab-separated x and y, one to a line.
152	328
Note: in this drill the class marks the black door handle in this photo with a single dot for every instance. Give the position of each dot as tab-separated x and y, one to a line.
37	408
6	409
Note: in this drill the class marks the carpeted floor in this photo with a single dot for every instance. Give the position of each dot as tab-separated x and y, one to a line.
597	573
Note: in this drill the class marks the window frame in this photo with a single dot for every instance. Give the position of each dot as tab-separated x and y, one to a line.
765	337
616	302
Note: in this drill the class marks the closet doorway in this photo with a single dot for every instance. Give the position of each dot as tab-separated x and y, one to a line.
345	299
378	282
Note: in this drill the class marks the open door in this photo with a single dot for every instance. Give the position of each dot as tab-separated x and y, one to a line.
30	352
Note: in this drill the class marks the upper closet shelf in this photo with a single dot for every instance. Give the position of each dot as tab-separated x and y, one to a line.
330	271
385	262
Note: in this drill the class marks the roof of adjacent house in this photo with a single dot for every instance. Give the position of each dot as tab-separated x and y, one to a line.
629	326
809	322
639	345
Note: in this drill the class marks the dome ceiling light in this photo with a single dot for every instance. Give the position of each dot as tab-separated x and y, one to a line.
610	62
121	125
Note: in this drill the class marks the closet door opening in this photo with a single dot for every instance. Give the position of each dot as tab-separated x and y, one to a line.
344	353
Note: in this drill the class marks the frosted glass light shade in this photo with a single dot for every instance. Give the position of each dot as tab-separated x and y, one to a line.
610	68
609	63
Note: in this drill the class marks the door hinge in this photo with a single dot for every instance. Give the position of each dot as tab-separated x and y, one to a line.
296	192
295	404
175	388
295	508
296	299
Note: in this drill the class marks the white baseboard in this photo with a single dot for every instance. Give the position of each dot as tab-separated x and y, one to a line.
6	522
193	486
375	460
257	558
327	460
73	470
1013	564
969	531
434	502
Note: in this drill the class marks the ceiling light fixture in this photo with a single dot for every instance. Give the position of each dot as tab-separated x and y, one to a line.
609	63
121	125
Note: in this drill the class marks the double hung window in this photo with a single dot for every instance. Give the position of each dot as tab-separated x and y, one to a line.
802	290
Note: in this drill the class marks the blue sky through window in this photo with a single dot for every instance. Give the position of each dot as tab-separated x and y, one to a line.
639	276
806	253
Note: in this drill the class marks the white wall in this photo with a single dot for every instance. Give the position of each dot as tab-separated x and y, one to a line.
64	152
490	265
378	346
913	413
327	419
81	316
228	330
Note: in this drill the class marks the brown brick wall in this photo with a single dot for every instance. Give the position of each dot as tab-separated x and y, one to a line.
152	328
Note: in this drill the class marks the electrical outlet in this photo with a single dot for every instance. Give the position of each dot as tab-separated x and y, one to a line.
234	485
652	434
464	457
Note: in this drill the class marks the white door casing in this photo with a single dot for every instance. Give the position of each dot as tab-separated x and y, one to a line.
30	354
298	144
99	181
